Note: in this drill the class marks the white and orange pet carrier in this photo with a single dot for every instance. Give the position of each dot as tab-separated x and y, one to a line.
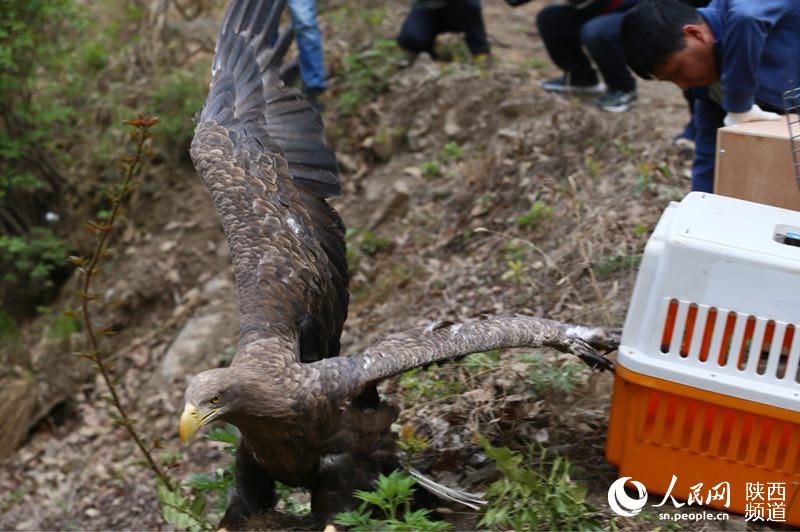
707	386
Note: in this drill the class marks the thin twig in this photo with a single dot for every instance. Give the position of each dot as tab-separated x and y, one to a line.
143	124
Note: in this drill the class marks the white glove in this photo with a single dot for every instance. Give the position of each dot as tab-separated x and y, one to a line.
753	115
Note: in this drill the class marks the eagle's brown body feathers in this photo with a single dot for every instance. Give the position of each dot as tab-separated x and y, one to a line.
307	416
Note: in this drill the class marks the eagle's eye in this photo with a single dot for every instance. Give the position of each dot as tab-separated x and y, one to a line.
215	399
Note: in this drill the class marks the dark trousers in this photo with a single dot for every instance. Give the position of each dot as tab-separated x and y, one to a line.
422	25
566	30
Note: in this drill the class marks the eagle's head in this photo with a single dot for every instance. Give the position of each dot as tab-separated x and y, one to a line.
211	395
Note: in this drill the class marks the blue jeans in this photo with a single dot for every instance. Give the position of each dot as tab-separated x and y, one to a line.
309	43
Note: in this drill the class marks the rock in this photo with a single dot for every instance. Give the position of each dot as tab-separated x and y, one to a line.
223	251
18	406
451	127
26	396
387	141
198	345
394	205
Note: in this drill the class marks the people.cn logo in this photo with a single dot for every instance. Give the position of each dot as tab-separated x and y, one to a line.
621	503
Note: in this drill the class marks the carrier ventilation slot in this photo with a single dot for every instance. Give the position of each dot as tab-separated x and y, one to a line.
719	432
727	339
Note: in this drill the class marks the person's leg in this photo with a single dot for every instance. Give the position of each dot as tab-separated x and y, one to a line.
418	33
465	16
560	29
602	38
309	44
707	117
686	137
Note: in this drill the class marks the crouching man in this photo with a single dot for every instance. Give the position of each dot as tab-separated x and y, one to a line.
737	57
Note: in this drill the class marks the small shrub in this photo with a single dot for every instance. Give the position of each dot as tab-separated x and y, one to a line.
544	377
389	508
538	212
450	152
178	98
593	166
367	74
61	327
8	327
421	383
532	495
218	484
411	442
31	257
534	64
371	244
616	263
479	362
290	500
430	169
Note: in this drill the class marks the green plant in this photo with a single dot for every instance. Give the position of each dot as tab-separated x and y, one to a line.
32	256
534	64
616	263
60	327
367	74
388	507
430	169
289	502
516	255
516	250
479	362
37	49
219	483
450	152
533	495
371	244
410	442
421	383
538	212
178	97
544	377
8	327
182	511
516	271
645	178
625	148
593	166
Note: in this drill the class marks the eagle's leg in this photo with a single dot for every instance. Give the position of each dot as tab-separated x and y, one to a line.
362	448
254	492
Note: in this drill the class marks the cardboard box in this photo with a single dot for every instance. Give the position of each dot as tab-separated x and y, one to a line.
754	163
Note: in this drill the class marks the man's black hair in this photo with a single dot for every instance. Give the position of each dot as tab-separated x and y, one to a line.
653	30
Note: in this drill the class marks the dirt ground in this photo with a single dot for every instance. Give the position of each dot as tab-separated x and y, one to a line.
451	244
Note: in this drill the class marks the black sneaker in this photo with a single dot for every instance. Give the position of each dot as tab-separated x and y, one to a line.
616	101
562	84
313	96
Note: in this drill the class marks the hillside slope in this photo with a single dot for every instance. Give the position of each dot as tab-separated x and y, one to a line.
468	192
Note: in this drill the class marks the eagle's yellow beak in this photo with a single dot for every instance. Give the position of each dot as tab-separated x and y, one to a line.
190	422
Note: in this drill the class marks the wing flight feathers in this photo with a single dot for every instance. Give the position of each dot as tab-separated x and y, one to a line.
440	341
261	151
247	91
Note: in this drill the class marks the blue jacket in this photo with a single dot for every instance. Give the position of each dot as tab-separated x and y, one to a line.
757	47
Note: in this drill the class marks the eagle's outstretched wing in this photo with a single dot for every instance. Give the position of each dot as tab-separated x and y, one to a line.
261	151
444	340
